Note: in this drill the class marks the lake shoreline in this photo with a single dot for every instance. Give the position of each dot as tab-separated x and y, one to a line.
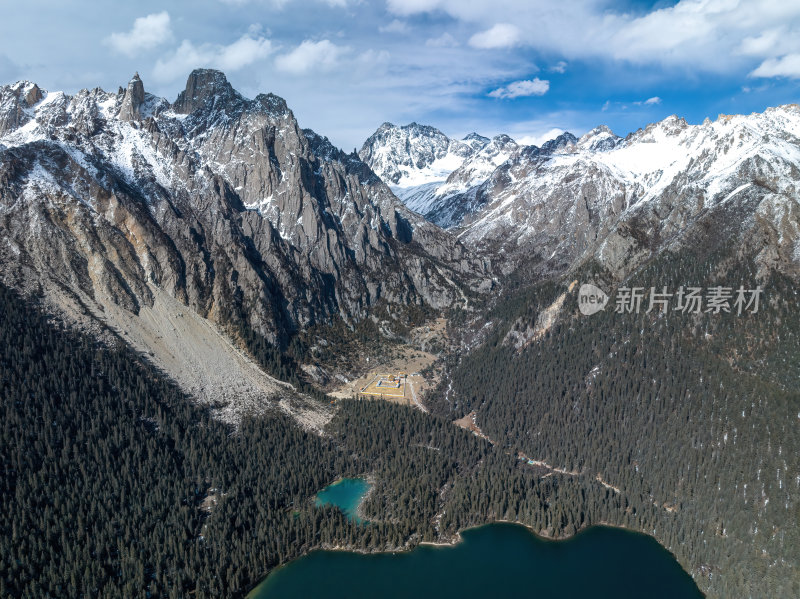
457	539
502	546
451	540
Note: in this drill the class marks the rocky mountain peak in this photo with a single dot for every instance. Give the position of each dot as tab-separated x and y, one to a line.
395	152
233	210
205	89
475	141
430	171
272	104
232	214
565	142
502	140
475	136
671	126
600	138
29	93
132	100
15	100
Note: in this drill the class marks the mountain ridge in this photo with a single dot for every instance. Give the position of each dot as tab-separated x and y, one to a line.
601	196
223	203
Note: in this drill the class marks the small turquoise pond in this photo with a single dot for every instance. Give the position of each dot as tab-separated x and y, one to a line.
346	494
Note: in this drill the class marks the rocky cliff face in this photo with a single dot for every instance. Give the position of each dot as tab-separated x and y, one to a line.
218	201
223	201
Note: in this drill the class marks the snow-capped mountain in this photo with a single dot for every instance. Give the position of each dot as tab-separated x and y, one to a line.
427	170
616	199
414	155
222	204
121	207
439	177
622	200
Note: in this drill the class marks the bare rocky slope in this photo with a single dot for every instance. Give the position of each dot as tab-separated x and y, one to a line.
221	204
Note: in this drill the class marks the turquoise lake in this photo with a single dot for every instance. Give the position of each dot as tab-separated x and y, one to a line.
496	560
346	494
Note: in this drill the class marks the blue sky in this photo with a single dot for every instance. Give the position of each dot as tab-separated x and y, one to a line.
526	68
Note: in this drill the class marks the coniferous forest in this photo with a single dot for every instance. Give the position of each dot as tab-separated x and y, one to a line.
683	426
694	417
115	485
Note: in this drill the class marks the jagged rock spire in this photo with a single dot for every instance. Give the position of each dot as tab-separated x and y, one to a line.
133	100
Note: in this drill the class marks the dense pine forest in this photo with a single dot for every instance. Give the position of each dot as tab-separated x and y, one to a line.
106	466
693	417
115	484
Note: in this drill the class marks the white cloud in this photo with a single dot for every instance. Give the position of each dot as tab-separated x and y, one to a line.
396	26
443	41
527	87
244	51
410	7
502	35
146	33
762	44
655	100
625	105
785	66
704	35
322	55
559	67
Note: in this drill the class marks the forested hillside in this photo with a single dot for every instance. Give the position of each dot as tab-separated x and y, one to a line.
683	426
115	485
106	466
693	417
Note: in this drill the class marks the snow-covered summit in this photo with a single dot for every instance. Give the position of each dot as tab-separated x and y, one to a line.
411	155
439	177
598	139
476	168
563	199
659	180
425	168
475	141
